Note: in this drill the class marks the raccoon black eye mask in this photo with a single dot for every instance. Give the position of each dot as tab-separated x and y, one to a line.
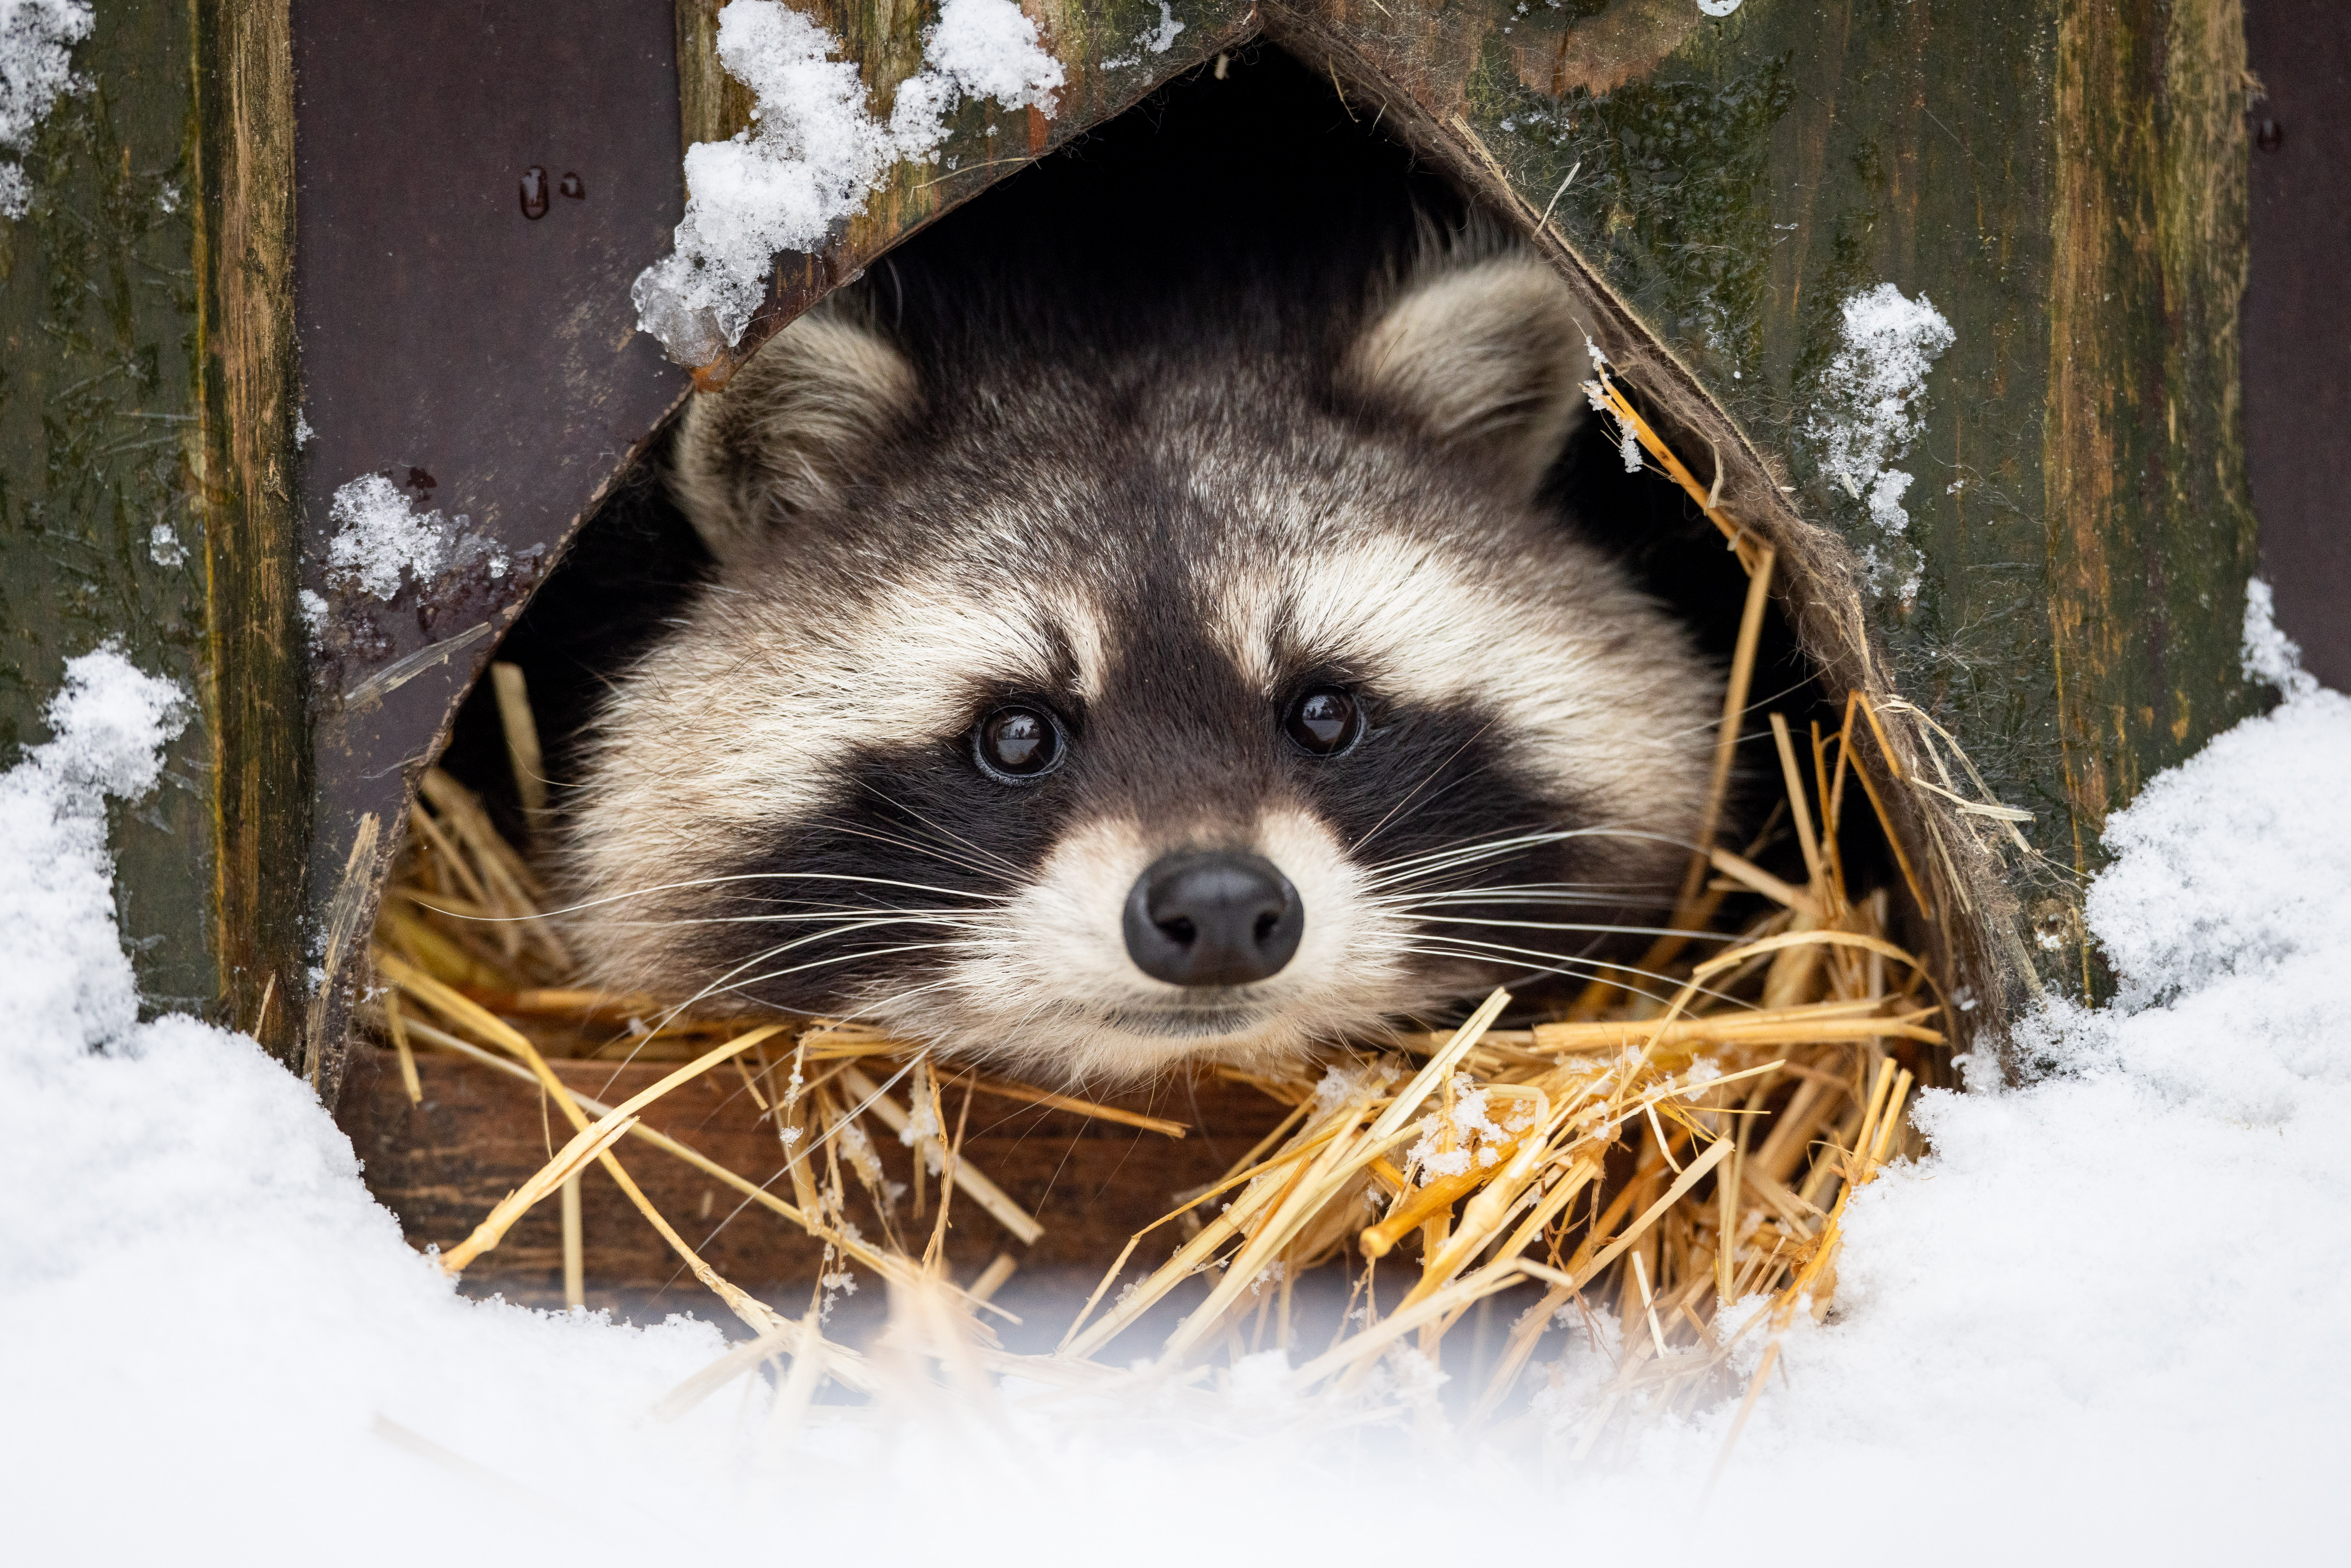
1094	705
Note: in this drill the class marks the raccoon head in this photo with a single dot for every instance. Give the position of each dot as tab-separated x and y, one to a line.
1098	706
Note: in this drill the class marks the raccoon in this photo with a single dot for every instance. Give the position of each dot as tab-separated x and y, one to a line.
1087	694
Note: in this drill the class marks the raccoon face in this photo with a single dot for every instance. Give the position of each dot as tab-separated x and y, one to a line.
1093	709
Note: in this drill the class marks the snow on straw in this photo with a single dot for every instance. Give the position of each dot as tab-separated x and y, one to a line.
813	153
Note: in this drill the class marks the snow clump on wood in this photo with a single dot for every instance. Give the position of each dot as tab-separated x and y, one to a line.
70	979
2271	657
813	153
37	40
1868	415
379	536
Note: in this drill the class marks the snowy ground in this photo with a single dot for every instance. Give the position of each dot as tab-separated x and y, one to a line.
2103	1321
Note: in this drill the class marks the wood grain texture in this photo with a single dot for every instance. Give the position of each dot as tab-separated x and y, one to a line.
101	446
258	654
2151	530
478	1134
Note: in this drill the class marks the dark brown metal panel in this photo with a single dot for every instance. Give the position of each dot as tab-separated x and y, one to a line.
486	359
2298	323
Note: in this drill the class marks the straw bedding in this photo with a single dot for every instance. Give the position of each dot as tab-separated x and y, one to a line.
1669	1171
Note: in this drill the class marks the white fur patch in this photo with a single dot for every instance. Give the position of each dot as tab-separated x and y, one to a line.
1053	971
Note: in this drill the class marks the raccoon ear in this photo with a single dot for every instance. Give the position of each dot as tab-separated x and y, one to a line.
800	421
1488	357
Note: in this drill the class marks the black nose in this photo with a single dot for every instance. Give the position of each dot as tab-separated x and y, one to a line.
1206	917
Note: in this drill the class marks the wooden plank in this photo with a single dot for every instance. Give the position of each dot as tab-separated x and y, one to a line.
259	663
101	446
2149	524
440	1166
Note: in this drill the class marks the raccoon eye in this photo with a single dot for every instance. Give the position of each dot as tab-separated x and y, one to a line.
1016	745
1324	722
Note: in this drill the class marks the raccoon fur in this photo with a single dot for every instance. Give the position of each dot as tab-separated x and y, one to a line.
1089	693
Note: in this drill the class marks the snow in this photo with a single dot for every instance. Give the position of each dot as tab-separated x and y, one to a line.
379	536
2101	1319
2116	1294
814	152
2271	657
1470	1130
68	980
37	40
164	545
1156	40
1868	413
1161	39
202	1306
986	49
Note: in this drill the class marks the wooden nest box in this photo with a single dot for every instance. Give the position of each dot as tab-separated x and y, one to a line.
404	238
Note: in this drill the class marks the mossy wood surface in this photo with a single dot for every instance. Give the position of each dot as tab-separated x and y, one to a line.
145	338
2064	180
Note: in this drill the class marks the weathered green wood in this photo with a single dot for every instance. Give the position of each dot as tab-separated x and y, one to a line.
2065	182
258	653
144	433
101	448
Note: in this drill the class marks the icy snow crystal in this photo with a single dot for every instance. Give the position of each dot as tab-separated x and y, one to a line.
1867	415
813	153
37	40
379	536
2271	656
69	980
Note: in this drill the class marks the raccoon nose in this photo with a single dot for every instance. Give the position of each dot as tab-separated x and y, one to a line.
1212	918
